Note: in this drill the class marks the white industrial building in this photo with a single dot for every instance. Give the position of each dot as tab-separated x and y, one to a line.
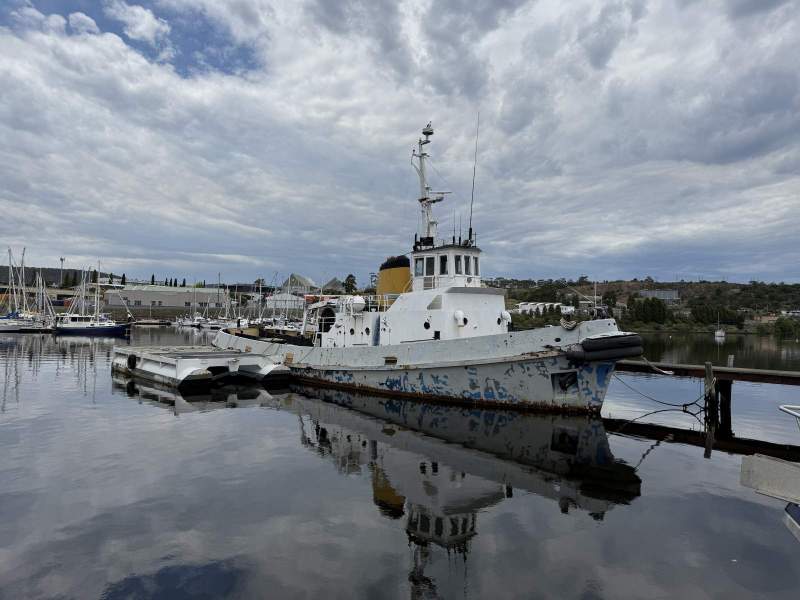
283	301
165	296
668	296
532	308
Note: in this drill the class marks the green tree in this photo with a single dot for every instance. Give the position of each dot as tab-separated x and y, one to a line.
786	328
110	278
350	284
610	299
152	279
94	276
183	283
123	280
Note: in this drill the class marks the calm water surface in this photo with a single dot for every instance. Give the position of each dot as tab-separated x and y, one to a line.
115	490
747	350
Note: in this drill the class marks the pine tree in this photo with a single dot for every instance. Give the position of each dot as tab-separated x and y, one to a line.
122	281
183	284
152	279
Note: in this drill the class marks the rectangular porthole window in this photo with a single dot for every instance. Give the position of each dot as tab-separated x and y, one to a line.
443	265
430	265
467	265
419	267
458	264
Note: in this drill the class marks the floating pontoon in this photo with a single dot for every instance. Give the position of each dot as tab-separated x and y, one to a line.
180	365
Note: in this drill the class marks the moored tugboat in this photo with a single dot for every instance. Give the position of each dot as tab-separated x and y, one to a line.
433	331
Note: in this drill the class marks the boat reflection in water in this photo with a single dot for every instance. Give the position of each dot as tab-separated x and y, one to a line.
466	459
192	401
438	466
475	457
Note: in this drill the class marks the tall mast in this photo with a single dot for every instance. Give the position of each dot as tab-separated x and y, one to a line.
427	197
97	295
11	292
23	290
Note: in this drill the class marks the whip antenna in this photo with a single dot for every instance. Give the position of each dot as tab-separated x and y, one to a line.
474	167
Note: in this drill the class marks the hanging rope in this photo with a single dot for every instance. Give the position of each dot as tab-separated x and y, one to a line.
682	406
655	368
646	452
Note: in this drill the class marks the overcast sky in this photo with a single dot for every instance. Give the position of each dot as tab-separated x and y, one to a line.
618	138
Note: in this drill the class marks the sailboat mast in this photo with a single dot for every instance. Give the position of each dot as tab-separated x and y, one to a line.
97	295
11	294
23	291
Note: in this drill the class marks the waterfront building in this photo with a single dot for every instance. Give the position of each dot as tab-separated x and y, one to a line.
532	308
165	296
668	296
298	284
334	286
284	301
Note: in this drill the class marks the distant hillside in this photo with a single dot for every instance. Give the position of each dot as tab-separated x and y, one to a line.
51	276
757	296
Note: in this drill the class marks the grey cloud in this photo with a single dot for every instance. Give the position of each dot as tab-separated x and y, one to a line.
377	20
27	17
452	29
528	108
139	23
588	169
81	23
601	37
746	8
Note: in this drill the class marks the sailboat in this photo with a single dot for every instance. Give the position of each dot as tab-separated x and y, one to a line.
719	334
24	316
79	321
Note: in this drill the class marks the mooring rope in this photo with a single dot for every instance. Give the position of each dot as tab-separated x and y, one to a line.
655	368
682	406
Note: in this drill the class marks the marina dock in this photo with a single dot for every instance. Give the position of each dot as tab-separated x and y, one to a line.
720	373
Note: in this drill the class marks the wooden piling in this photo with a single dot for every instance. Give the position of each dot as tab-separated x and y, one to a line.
712	414
725	388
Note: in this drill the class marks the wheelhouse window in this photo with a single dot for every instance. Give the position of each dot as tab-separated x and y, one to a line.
467	265
477	270
419	267
443	265
430	266
458	264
